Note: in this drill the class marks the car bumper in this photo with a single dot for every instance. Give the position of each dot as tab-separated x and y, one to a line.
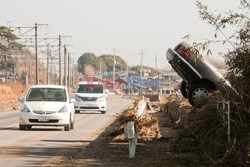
93	105
59	119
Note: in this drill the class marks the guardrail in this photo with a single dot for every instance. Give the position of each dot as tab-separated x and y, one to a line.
130	124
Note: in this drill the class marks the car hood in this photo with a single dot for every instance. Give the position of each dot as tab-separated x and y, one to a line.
90	94
45	106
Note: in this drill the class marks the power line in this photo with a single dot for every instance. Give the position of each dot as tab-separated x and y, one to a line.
30	28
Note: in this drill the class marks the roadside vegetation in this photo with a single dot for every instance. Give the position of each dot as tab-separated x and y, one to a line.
206	125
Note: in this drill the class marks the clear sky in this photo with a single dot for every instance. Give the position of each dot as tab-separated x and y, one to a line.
130	26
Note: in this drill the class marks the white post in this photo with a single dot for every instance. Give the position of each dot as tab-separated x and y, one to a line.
130	133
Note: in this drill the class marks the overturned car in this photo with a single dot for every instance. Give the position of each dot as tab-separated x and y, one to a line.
198	74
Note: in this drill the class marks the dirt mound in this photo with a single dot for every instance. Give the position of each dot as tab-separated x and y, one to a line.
9	94
11	91
177	107
6	93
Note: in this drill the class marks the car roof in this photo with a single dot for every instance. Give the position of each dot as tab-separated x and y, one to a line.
48	86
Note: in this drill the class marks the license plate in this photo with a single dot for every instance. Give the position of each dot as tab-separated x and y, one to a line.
43	119
89	105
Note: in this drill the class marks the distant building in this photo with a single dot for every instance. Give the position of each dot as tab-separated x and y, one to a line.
170	76
2	79
167	89
171	82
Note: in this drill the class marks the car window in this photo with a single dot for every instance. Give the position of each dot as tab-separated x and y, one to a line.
47	94
90	88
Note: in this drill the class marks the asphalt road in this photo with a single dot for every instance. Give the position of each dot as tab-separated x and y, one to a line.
36	146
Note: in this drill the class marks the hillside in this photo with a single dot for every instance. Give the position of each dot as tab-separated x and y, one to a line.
150	70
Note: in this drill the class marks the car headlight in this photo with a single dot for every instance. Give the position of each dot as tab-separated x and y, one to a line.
63	109
102	98
24	108
78	98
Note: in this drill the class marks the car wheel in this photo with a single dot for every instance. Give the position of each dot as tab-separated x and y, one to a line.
103	112
67	127
77	111
29	126
21	127
72	125
197	93
184	89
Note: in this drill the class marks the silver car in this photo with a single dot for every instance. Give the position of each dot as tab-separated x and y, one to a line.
199	75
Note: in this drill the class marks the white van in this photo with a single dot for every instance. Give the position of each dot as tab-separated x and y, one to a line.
90	96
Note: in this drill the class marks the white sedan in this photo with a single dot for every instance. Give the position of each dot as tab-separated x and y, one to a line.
47	105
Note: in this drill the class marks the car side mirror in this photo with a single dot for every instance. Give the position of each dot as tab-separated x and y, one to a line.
21	99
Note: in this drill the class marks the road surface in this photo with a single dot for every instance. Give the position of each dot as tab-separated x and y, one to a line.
36	146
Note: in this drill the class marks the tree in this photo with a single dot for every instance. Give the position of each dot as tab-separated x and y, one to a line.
120	64
87	59
238	74
10	38
238	59
92	63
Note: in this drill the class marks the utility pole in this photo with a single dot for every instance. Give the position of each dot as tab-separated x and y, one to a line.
29	76
141	53
73	72
37	72
6	69
65	66
100	67
114	68
60	61
36	47
127	69
68	70
156	72
48	54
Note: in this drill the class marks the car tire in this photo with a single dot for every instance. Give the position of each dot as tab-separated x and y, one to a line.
103	112
184	89
72	125
21	127
29	127
67	127
77	111
197	93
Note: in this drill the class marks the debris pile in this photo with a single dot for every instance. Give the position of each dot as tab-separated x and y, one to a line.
146	125
208	128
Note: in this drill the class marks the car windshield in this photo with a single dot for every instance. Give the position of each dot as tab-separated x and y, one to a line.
90	88
47	94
